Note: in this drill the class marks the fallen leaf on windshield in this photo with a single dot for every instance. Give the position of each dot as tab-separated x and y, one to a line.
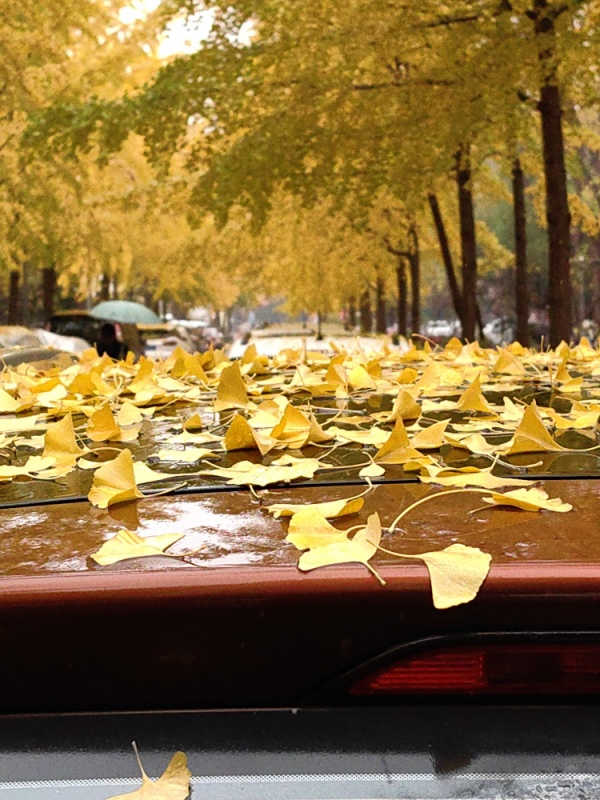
194	423
129	414
61	445
405	407
528	499
231	391
472	399
114	482
240	436
244	473
127	544
371	471
173	784
102	426
479	478
360	549
431	438
33	467
531	436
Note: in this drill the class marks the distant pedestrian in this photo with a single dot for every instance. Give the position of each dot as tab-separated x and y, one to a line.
108	343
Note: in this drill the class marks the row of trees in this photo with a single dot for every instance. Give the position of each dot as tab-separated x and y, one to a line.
320	152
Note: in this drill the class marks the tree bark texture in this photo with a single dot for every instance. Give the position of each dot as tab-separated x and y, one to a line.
440	228
415	279
352	313
558	216
521	288
14	297
402	305
467	242
105	287
380	325
48	289
366	312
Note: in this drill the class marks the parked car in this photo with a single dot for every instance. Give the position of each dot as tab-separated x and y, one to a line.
275	680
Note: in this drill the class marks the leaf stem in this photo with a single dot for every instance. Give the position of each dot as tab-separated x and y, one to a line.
431	497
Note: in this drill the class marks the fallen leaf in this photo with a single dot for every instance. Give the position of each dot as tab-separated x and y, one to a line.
456	573
371	471
127	544
531	436
472	399
114	482
309	529
61	445
173	784
329	510
231	391
529	500
360	549
102	426
244	473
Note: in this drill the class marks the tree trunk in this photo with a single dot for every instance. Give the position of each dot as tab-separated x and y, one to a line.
415	279
48	289
467	242
380	325
557	203
521	288
558	217
366	312
401	308
14	298
105	287
455	292
351	323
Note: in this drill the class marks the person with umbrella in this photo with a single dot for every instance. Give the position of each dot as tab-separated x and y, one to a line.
108	343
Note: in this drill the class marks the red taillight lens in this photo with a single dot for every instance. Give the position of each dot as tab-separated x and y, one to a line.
516	668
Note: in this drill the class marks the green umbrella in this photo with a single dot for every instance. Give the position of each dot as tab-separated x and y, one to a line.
124	311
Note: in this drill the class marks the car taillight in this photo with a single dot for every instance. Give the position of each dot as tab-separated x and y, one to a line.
488	669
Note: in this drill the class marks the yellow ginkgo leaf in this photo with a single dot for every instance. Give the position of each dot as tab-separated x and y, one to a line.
329	510
114	482
187	456
231	391
129	414
360	549
194	423
431	438
127	544
480	478
244	473
371	471
145	474
309	528
456	573
240	436
472	399
173	784
398	440
531	436
293	429
8	404
359	378
529	500
60	443
102	426
405	407
33	467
